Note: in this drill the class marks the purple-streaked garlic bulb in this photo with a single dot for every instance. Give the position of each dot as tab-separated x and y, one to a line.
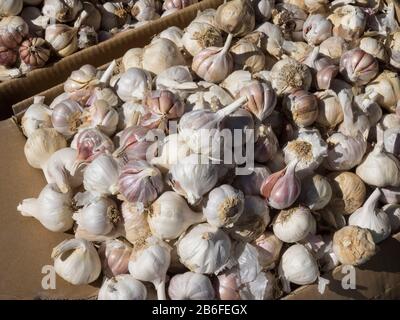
114	255
228	284
66	117
133	144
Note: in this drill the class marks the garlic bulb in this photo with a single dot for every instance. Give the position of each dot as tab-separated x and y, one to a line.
35	21
261	288
371	218
62	11
334	47
161	54
288	74
81	79
178	80
201	35
94	16
393	213
330	112
34	52
374	47
353	245
224	206
101	175
133	84
174	34
10	8
122	287
76	261
294	224
149	262
190	286
132	59
298	266
41	144
282	188
145	10
214	99
251	183
135	222
246	55
12	31
204	249
130	114
348	21
302	107
114	14
308	150
98	217
36	116
193	176
52	208
316	192
236	81
133	144
114	255
268	248
66	117
253	221
140	182
290	18
214	64
316	29
236	17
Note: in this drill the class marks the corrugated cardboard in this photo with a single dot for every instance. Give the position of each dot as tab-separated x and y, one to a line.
16	90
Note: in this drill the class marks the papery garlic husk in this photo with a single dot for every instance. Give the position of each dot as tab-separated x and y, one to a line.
98	217
358	67
391	141
266	145
316	29
62	11
369	107
344	152
149	261
132	59
394	50
316	192
122	287
41	144
348	21
302	107
36	116
263	9
193	176
375	47
236	17
214	99
275	38
353	245
161	54
334	47
290	19
114	14
102	116
268	248
58	169
348	192
298	266
133	84
76	261
130	114
214	64
13	30
114	255
282	188
52	208
135	222
236	81
204	249
227	285
390	195
169	216
288	75
190	286
251	183
201	35
372	218
177	79
66	117
133	144
145	10
224	206
252	222
34	52
330	112
393	213
261	288
11	8
101	175
261	99
247	56
387	85
308	150
294	224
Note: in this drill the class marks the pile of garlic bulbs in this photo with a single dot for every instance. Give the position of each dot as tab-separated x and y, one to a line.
239	158
36	32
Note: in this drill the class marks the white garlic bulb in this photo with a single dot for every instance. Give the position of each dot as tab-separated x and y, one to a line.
132	59
63	11
204	249
316	29
201	35
36	116
76	261
52	208
122	287
190	286
133	84
316	192
261	288
174	34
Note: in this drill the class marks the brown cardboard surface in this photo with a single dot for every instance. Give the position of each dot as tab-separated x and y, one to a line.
15	90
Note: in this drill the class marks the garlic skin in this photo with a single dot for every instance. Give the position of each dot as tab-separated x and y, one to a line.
334	47
236	81
41	144
294	224
103	117
114	255
349	22
261	288
36	116
348	192
132	59
353	245
298	266
52	208
330	112
227	284
66	117
34	52
246	55
190	286
114	14
149	262
130	114
135	222
268	248
393	213
62	11
122	287
251	183
316	29
174	34
81	79
374	47
145	10
81	266
316	192
302	107
178	80
11	8
204	249
224	206
252	222
372	218
390	139
169	216
13	30
193	176
133	84
101	175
